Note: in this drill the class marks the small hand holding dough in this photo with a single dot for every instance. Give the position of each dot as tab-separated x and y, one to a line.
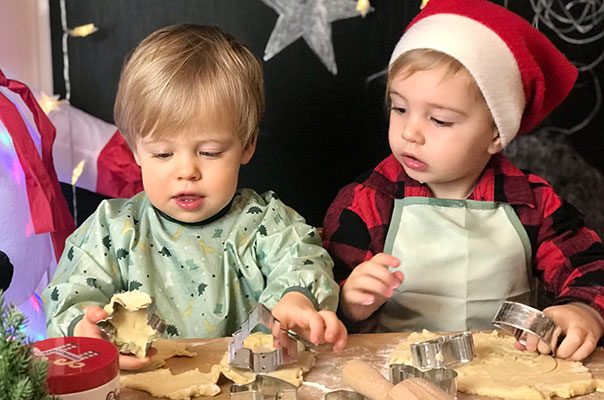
127	314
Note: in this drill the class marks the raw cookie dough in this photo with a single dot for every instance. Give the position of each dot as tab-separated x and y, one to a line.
166	349
291	373
499	370
162	383
129	322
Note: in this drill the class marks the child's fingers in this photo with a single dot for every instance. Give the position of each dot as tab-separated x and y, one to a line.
586	348
386	260
133	362
94	314
571	343
531	342
280	337
316	326
370	285
335	331
543	348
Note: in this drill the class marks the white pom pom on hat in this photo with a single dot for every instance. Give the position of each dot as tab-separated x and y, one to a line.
520	73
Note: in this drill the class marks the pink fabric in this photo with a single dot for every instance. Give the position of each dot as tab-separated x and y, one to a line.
118	173
47	205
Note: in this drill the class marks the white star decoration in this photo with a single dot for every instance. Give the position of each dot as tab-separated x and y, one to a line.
311	20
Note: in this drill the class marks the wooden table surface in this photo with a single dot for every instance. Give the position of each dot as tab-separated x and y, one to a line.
325	375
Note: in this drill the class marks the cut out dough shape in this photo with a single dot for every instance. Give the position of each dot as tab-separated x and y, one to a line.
166	349
162	383
292	373
499	370
129	318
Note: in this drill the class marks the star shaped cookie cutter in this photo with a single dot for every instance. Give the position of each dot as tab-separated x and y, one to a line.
264	387
259	362
156	325
443	351
521	320
444	378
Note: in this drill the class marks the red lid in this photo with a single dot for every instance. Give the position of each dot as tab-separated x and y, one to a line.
76	364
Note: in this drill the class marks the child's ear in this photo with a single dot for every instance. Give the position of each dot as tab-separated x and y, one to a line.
135	154
495	146
248	152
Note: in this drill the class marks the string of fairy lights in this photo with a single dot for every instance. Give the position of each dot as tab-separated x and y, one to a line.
576	22
579	23
78	31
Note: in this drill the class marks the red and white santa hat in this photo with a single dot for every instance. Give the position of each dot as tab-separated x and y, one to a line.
520	73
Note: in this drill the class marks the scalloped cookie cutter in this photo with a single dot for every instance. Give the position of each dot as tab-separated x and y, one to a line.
443	351
521	320
445	378
264	387
154	321
243	357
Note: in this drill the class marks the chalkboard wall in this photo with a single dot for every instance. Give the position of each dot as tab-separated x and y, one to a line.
320	130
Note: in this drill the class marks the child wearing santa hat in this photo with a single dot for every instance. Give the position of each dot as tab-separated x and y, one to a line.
445	229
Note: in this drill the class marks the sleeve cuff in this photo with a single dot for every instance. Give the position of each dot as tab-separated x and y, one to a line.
305	292
75	321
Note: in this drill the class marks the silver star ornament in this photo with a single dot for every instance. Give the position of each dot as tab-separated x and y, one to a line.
311	20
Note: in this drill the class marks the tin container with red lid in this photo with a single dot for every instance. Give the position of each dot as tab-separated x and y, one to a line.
81	368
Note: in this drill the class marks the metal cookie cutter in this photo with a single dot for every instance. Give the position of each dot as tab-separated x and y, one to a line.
443	351
520	320
264	387
243	357
444	378
343	395
157	324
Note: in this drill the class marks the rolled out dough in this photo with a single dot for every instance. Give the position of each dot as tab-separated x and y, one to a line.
499	370
162	383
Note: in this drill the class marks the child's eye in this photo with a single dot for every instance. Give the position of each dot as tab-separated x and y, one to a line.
162	156
443	124
398	110
209	154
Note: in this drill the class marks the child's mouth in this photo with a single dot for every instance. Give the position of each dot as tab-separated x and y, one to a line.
413	163
189	201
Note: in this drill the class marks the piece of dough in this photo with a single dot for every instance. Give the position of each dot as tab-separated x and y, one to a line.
291	373
499	370
129	318
162	383
166	349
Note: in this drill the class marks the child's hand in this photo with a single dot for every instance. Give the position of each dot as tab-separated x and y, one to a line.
296	312
87	327
579	324
369	285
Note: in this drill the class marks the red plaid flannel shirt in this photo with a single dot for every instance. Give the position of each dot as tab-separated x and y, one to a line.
568	258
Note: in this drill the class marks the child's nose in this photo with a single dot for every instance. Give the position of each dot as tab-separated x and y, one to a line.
412	131
188	171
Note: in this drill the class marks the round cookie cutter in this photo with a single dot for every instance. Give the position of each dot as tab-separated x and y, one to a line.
521	320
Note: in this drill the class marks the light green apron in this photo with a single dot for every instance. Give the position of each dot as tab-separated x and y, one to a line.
461	259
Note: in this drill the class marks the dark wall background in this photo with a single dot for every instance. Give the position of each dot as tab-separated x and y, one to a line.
319	130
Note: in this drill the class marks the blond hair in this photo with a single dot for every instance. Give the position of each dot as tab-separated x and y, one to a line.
189	75
417	60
